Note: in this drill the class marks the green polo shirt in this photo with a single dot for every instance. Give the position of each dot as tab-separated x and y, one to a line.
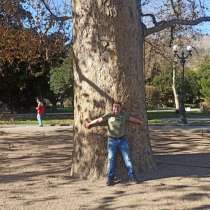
117	124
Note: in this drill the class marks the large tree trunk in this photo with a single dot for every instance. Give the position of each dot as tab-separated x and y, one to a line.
108	64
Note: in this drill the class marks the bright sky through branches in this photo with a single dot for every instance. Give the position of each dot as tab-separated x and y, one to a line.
41	15
63	7
161	8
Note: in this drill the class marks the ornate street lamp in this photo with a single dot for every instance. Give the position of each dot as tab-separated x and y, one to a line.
182	55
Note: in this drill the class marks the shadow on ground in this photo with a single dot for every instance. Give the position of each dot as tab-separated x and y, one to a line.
181	180
180	152
39	155
35	173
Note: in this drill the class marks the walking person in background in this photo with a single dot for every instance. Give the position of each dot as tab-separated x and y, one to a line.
39	111
117	122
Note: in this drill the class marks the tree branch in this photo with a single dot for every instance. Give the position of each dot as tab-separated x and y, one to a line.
176	13
170	23
152	16
157	50
61	18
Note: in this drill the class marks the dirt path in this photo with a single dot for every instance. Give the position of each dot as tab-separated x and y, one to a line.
35	162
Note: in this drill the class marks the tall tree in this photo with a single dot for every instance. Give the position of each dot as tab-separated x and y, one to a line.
108	64
107	43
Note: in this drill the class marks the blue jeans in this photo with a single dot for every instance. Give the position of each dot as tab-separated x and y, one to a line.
39	119
112	146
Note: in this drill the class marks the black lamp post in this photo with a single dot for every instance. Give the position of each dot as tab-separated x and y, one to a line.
182	56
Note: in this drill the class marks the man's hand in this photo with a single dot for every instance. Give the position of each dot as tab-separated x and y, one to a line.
87	124
136	120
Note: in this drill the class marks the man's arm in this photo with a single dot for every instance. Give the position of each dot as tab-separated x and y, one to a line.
93	122
135	120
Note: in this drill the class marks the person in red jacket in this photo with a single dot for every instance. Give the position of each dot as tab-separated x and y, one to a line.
40	111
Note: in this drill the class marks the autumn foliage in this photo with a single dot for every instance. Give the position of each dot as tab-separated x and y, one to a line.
28	50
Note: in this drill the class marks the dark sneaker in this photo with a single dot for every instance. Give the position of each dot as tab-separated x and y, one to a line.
133	179
109	182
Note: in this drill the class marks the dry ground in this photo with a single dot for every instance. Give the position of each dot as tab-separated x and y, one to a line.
35	162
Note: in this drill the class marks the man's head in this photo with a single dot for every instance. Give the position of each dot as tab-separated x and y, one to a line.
116	107
38	100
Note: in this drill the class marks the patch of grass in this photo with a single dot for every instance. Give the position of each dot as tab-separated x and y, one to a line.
199	122
51	122
170	117
59	110
159	115
162	122
166	117
175	122
173	114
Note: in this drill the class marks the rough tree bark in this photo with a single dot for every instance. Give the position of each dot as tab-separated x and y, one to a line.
108	65
176	96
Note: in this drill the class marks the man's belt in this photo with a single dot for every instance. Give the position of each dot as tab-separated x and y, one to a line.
117	137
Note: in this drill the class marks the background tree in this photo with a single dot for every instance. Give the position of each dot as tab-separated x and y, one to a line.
61	79
204	78
158	53
191	86
29	48
163	83
152	97
158	46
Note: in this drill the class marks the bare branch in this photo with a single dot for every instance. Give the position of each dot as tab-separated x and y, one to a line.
176	13
61	18
152	16
157	50
170	23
